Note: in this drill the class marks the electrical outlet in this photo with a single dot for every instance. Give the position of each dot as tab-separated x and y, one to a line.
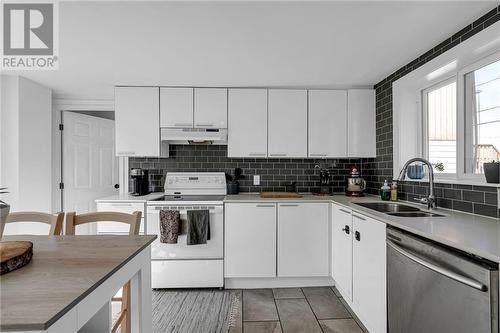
256	180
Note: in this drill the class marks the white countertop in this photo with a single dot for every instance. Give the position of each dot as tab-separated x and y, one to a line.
475	234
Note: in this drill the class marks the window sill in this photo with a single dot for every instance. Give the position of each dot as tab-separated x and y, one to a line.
454	181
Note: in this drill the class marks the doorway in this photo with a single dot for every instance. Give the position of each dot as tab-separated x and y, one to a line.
89	166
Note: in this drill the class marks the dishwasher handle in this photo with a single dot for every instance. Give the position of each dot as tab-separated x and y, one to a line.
438	269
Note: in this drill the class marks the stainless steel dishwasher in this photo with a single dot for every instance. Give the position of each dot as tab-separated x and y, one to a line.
432	288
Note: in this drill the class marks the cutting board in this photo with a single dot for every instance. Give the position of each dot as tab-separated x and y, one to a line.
14	255
280	195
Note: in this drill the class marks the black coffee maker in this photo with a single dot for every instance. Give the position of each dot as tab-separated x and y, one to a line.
140	181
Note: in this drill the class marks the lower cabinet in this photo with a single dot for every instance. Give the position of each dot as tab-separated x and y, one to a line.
359	265
250	240
303	239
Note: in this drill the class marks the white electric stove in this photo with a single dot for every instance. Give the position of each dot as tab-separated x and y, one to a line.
181	265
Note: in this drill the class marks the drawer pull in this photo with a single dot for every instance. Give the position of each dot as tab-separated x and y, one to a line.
345	211
359	217
289	205
264	206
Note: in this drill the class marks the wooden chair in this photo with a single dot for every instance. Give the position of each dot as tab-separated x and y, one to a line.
134	220
54	220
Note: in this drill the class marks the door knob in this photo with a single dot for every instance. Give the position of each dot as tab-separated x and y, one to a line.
346	229
117	185
357	235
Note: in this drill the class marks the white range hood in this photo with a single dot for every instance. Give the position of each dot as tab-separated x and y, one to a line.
187	136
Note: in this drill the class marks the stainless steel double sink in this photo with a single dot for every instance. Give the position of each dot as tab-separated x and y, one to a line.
397	209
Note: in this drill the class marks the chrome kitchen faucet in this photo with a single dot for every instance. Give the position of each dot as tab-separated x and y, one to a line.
430	201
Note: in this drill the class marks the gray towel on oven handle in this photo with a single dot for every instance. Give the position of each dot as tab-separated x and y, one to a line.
169	226
198	227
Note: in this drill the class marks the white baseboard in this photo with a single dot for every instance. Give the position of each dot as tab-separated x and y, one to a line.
277	282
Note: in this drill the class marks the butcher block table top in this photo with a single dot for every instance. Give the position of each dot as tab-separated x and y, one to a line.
63	271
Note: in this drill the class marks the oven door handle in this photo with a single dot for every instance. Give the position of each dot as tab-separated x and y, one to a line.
438	269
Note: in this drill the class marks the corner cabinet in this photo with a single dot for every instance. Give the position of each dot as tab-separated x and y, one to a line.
303	239
250	240
287	123
247	123
359	265
137	123
361	123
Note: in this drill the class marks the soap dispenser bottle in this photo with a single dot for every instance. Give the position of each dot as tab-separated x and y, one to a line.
394	191
385	191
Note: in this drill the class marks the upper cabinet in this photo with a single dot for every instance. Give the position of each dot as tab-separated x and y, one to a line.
176	107
210	107
361	123
287	123
327	123
137	125
247	123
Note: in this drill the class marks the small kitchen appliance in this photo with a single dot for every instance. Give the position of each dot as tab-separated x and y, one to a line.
355	185
140	181
181	265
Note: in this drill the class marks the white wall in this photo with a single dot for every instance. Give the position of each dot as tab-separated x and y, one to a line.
26	144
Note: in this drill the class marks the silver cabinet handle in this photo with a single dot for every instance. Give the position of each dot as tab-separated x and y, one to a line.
264	206
278	154
125	153
359	217
205	125
345	211
122	204
183	124
438	269
319	155
289	205
257	154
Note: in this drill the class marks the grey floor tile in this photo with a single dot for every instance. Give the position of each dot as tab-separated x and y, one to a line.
336	291
353	315
258	305
325	304
296	316
340	326
236	313
262	327
287	293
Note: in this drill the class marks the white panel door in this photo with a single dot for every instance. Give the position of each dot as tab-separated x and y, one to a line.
90	166
247	123
176	107
369	272
287	123
361	123
137	113
250	240
210	107
327	123
303	239
342	250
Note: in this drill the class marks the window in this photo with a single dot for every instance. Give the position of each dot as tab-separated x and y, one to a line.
440	126
482	117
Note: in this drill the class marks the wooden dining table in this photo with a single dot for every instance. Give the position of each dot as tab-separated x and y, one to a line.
68	285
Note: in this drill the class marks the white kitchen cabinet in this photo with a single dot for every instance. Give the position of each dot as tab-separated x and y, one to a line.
361	123
327	123
250	240
247	123
287	123
210	107
303	239
176	107
342	249
137	125
369	272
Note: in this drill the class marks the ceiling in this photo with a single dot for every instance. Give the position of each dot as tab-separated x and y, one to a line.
307	44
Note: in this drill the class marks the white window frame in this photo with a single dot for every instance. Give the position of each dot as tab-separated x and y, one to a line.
425	125
462	175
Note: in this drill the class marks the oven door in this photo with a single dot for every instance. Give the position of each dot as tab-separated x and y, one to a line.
213	249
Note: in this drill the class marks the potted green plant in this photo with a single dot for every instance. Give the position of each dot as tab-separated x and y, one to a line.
492	172
4	208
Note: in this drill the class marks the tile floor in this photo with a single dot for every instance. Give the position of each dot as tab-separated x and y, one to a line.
286	310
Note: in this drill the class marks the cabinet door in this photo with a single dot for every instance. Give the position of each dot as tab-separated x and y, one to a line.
250	240
210	108
137	125
369	272
361	123
176	107
303	240
327	123
287	123
247	123
342	250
